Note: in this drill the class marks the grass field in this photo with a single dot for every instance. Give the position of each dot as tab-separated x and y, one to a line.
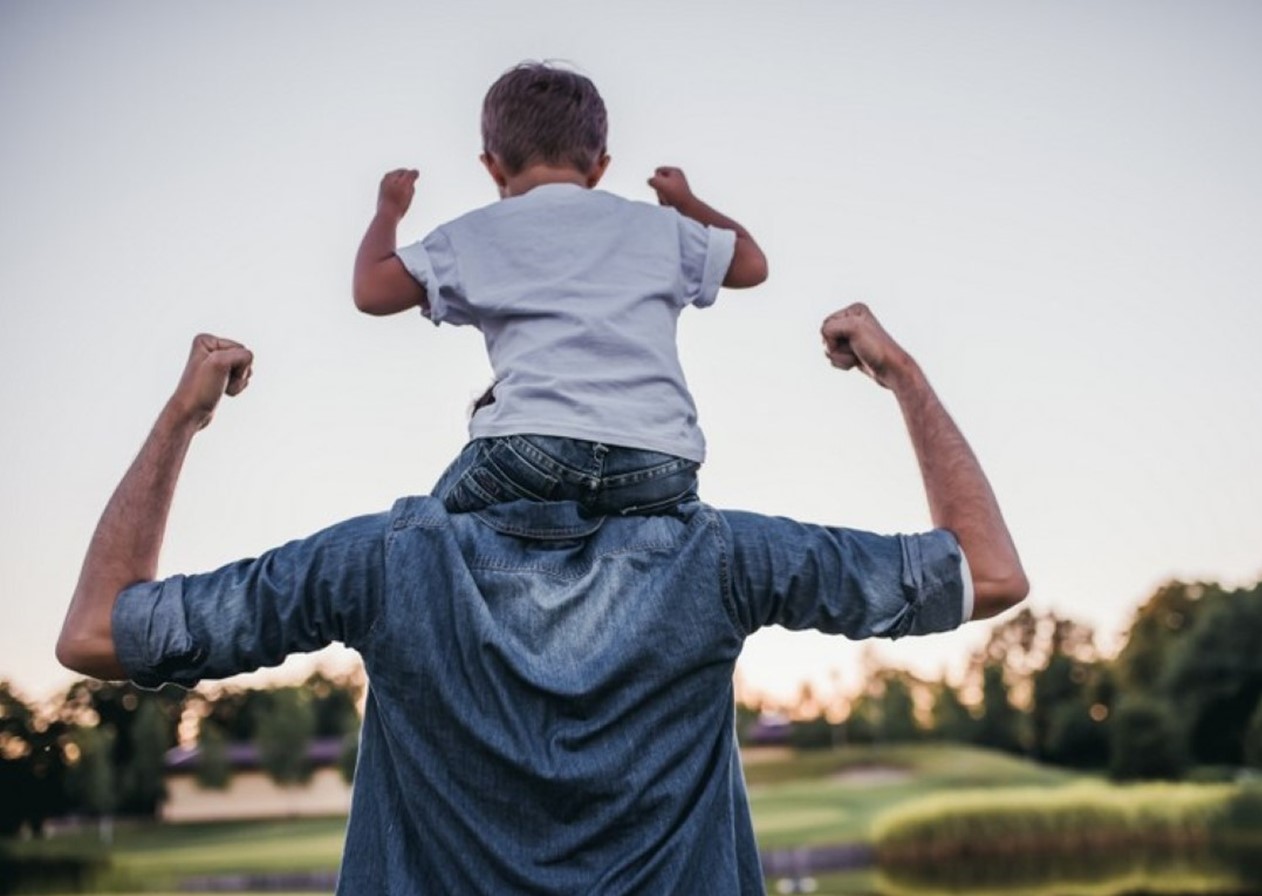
797	800
833	796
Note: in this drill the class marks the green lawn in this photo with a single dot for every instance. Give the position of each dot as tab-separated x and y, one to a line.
799	800
833	796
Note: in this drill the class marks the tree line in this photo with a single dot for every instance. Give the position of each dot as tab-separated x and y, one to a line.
99	749
1182	697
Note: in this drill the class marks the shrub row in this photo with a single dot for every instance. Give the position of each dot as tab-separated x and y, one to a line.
1084	817
43	867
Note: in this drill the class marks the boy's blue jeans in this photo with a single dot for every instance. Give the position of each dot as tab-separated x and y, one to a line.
603	479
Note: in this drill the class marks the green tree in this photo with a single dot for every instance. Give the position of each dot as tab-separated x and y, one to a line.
1058	683
1078	734
952	720
32	765
1160	623
237	713
142	722
812	734
897	712
862	725
1214	675
92	783
144	776
214	770
334	702
1026	641
349	757
283	735
1253	738
1146	741
999	725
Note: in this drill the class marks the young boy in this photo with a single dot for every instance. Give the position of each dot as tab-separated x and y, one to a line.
577	293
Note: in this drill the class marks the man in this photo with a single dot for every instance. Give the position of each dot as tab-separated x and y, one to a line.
550	705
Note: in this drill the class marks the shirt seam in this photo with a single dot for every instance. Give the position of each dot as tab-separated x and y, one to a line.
725	576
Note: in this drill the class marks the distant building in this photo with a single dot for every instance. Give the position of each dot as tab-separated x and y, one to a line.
250	792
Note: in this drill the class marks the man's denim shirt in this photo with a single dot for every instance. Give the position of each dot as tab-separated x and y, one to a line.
550	706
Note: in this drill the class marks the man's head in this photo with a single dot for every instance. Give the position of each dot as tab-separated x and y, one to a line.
538	114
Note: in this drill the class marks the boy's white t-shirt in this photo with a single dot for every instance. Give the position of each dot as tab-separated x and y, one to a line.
577	293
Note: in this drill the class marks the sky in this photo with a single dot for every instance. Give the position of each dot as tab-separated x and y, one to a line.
1055	206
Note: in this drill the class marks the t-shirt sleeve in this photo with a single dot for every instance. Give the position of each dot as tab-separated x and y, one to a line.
845	581
705	255
432	263
253	613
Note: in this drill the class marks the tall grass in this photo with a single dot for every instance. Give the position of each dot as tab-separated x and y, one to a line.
1086	816
1085	839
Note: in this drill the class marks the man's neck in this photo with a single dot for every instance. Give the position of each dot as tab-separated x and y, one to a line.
536	175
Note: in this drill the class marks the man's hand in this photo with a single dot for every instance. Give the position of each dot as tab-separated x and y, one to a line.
216	367
854	338
671	187
394	196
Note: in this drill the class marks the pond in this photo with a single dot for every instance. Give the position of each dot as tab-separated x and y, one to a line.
1218	871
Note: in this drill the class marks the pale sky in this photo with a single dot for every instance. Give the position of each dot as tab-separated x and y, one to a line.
1057	207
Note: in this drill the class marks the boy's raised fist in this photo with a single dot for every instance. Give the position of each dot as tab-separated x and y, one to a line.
394	196
671	186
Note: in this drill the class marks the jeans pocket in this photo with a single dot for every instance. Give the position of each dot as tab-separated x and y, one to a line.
499	475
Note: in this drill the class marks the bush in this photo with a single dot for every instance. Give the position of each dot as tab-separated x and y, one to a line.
42	867
1253	738
1146	742
1212	774
1072	820
813	734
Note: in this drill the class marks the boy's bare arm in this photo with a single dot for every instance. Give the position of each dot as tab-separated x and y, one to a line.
381	283
749	265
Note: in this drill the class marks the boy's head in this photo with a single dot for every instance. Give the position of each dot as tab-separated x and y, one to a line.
537	113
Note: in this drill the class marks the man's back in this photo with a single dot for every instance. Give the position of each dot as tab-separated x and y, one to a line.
551	704
550	696
550	709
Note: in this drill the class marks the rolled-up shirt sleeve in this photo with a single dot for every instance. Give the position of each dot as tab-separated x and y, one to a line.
432	263
705	255
845	581
254	613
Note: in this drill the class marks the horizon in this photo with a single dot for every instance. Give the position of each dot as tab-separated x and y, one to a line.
1056	208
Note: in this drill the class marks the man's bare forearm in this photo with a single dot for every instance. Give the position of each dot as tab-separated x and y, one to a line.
128	538
125	547
960	496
